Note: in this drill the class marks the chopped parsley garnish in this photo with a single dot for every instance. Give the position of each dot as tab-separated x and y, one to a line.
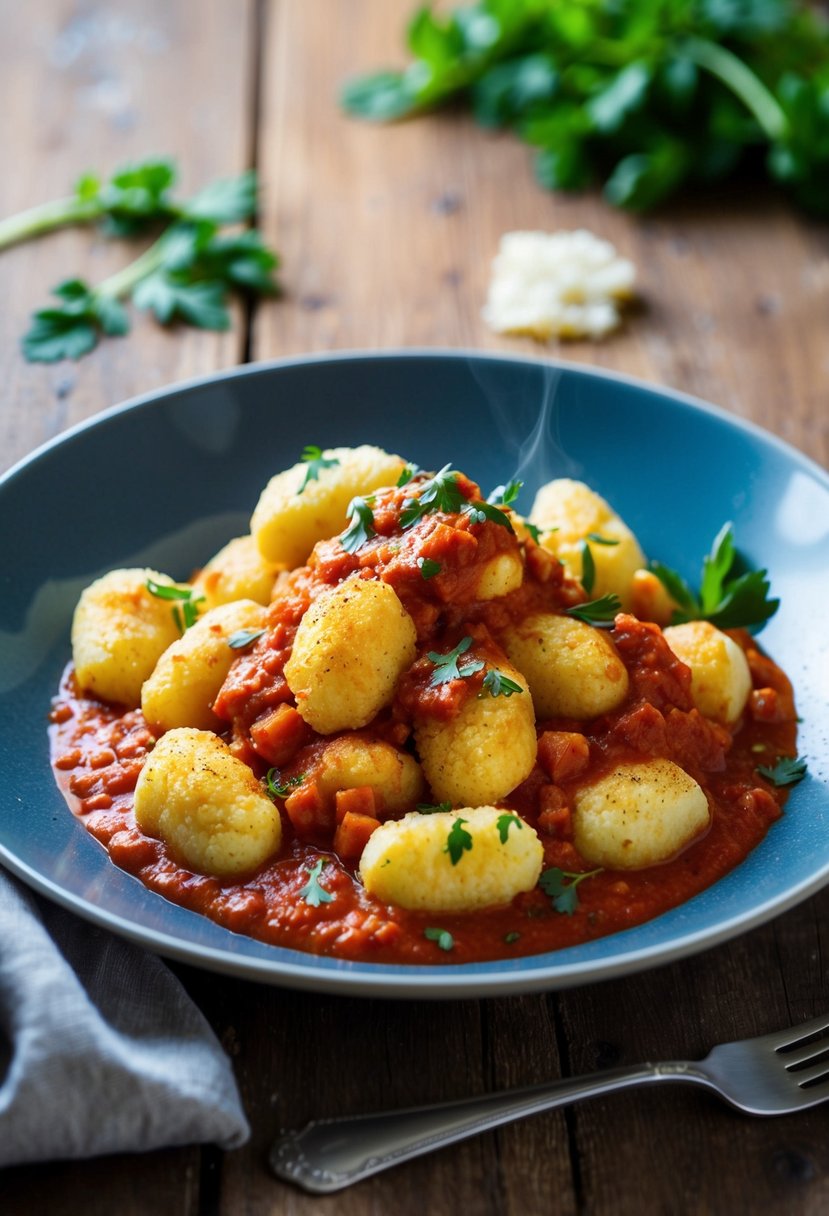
431	808
511	938
588	567
186	603
314	462
505	496
443	937
787	771
361	524
534	531
447	667
409	471
600	540
499	685
458	842
440	493
564	894
504	823
313	892
278	788
243	638
600	612
427	567
726	599
480	512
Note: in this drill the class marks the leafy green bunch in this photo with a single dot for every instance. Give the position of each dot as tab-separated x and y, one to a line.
185	275
646	96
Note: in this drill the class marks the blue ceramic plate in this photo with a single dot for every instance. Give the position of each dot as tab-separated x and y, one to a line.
165	480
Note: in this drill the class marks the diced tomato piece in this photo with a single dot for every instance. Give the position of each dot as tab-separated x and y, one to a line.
352	834
359	801
279	734
555	816
307	811
563	754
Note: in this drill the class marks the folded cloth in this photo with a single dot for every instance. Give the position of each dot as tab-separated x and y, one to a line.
104	1051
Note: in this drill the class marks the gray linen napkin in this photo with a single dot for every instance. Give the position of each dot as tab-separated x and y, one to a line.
101	1049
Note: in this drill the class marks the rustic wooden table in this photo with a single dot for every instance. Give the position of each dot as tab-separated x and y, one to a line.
387	237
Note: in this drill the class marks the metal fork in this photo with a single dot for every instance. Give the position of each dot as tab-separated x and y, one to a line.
775	1074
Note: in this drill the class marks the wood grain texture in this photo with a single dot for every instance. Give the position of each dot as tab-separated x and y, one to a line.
92	86
387	235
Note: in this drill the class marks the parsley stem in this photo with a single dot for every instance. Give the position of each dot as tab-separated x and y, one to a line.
123	281
45	217
739	78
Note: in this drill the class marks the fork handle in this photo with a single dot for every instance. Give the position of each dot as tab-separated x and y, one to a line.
330	1154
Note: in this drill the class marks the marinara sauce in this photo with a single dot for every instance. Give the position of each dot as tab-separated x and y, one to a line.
98	751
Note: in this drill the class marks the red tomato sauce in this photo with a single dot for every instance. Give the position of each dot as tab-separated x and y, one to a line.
98	751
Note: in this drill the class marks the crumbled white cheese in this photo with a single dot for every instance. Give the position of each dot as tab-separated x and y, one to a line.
557	285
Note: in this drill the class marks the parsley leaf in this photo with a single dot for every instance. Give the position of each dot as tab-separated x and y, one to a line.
185	275
534	531
787	771
431	808
361	521
439	493
504	823
427	567
314	893
458	842
278	788
443	937
499	685
726	599
480	512
315	461
588	567
408	472
600	540
447	666
505	496
564	894
186	603
600	612
242	638
648	99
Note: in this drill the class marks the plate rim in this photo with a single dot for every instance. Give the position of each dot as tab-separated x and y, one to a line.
406	981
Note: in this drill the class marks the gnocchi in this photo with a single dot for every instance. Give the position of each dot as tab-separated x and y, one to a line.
295	511
639	815
420	731
206	804
571	517
187	677
119	631
408	863
350	649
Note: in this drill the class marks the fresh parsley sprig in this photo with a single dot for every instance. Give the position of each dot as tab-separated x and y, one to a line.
498	685
277	788
361	524
448	667
458	842
644	98
726	599
504	822
443	938
432	808
242	638
788	770
440	492
601	612
315	461
562	888
186	602
505	496
314	893
186	275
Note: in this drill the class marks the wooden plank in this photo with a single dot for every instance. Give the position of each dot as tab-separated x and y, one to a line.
94	87
388	233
